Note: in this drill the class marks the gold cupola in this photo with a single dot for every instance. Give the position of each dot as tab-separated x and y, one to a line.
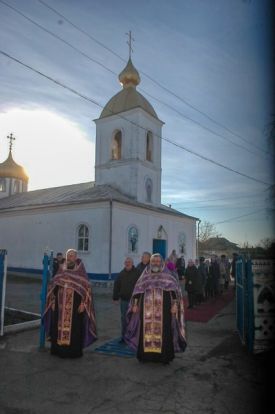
129	76
10	169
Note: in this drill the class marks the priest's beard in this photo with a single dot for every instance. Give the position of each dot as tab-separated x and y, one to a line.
155	269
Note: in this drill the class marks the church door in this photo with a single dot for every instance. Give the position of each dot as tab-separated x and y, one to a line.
160	246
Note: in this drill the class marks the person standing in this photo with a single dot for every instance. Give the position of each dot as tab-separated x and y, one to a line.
155	328
191	283
69	318
173	256
123	289
145	260
180	266
214	272
57	262
202	271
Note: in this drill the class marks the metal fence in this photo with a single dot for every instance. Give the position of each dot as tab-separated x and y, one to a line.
255	303
3	278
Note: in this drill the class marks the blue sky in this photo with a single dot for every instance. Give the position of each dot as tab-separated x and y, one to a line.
213	54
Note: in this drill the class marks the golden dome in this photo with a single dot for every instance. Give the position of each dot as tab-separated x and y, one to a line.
125	100
129	76
129	97
9	169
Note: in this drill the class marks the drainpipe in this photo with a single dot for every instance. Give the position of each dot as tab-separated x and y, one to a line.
110	238
198	239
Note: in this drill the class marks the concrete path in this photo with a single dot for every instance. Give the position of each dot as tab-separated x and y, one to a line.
215	375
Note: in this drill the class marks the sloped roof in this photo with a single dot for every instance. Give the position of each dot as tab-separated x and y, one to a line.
76	194
218	243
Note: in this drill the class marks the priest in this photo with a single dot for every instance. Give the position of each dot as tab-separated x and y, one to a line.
69	317
155	318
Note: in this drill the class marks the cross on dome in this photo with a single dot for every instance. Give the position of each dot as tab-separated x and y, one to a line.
11	138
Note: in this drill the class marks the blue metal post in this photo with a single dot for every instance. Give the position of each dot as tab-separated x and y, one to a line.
250	307
43	298
3	275
51	265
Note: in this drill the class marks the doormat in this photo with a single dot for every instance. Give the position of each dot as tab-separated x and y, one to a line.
115	348
207	310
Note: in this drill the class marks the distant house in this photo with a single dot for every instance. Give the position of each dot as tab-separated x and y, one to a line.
218	246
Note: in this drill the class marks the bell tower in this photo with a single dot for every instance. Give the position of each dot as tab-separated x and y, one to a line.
128	142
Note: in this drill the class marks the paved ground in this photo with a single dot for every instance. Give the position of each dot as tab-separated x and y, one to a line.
215	375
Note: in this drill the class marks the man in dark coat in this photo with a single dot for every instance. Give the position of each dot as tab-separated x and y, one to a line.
191	283
214	271
202	270
180	266
57	262
123	289
145	260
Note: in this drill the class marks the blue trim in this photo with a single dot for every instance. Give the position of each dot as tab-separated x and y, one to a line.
92	276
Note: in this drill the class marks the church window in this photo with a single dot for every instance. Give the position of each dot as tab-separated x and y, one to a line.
116	146
16	186
2	185
83	238
132	239
181	242
149	189
149	146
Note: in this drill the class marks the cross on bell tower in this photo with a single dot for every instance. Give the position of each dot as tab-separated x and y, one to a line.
11	138
129	42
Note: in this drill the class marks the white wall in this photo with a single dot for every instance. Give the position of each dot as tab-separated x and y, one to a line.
26	234
148	222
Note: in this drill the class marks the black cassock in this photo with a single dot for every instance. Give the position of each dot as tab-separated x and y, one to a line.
74	350
167	351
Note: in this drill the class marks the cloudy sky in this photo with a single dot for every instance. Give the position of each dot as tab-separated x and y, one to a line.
205	66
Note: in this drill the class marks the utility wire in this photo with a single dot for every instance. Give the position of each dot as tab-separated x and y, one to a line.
186	102
114	73
134	123
237	217
217	199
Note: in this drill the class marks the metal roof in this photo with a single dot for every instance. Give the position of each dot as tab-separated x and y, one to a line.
76	194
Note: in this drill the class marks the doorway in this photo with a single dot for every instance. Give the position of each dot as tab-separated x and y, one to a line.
160	246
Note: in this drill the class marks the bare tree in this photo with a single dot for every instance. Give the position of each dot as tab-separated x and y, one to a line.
207	230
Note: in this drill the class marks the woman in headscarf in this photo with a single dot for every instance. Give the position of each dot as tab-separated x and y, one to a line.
69	317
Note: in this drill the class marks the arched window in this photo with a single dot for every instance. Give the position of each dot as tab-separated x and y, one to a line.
132	240
2	185
149	146
116	146
182	242
16	186
149	189
83	238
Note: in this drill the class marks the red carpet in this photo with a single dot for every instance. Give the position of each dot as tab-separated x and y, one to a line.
207	310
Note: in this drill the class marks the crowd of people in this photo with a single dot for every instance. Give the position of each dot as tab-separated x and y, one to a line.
150	296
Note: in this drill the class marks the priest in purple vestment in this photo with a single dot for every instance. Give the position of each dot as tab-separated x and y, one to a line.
155	318
69	317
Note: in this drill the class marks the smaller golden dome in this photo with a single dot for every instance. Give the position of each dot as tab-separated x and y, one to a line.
129	76
9	169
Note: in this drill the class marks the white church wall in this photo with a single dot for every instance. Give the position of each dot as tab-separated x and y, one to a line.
27	234
148	223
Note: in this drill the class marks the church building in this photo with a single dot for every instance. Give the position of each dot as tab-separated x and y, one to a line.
118	215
